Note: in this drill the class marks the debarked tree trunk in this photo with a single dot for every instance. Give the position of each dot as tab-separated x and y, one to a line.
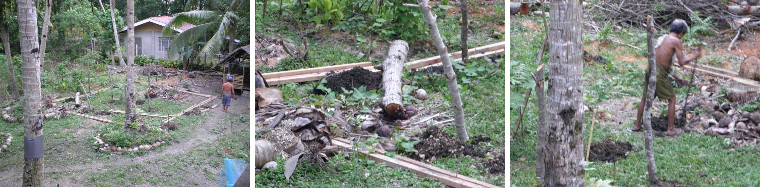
392	70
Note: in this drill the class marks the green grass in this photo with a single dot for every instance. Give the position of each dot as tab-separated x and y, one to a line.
353	172
691	159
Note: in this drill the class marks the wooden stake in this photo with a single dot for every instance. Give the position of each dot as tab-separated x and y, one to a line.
525	105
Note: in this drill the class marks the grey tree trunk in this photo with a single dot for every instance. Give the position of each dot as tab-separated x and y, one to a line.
648	145
7	47
563	160
465	30
129	96
45	30
392	71
116	35
30	71
231	45
541	100
448	70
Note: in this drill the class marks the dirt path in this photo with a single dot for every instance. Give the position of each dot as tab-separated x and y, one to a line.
67	175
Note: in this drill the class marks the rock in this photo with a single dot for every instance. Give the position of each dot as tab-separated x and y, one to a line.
718	115
725	106
119	149
156	144
741	126
112	148
384	131
755	117
421	94
270	165
95	147
750	68
724	122
5	146
266	96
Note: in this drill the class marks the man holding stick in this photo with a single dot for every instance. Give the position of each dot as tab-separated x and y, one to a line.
667	46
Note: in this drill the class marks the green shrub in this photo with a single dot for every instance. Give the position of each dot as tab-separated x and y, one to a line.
326	11
118	137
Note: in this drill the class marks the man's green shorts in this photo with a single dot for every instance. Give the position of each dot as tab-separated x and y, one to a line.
663	87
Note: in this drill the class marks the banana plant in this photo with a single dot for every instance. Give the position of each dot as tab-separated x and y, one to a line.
326	11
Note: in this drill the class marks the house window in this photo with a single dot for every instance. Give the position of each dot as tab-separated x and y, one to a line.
163	43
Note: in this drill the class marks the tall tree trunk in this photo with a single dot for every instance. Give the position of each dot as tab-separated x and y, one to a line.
463	8
448	70
129	96
116	35
45	30
231	45
33	144
264	9
648	145
564	146
8	58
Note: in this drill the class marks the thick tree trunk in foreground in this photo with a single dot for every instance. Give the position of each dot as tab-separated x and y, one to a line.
564	146
33	144
392	70
448	70
7	47
648	145
116	35
129	97
45	30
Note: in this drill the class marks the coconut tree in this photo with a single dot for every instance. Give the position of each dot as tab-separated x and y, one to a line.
220	23
33	144
129	97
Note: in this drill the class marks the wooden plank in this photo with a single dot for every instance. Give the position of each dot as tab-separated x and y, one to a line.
92	117
314	70
734	78
468	57
191	108
193	93
456	55
421	169
142	114
473	53
93	93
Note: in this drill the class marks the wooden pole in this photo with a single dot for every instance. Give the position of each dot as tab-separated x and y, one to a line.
393	66
451	78
648	143
538	77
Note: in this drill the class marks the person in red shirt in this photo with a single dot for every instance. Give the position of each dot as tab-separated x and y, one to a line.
227	88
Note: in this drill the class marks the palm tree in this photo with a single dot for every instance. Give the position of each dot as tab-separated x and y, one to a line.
129	97
222	24
33	160
6	6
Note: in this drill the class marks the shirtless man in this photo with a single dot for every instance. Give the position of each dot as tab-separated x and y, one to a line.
671	45
227	88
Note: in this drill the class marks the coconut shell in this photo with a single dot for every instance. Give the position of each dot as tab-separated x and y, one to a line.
724	122
421	94
718	115
725	106
265	152
755	117
384	131
741	126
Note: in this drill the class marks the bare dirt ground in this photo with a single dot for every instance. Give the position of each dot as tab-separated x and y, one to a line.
66	164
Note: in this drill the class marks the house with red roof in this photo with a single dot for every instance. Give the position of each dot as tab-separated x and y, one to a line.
149	39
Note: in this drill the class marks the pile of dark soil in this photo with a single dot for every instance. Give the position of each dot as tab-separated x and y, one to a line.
608	150
438	69
669	183
661	123
351	79
170	126
495	165
436	143
102	113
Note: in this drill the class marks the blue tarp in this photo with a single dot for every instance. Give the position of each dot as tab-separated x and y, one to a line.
232	170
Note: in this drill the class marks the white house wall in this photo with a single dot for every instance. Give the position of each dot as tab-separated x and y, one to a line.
149	34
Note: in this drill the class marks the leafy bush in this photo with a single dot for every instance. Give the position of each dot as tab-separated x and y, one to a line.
326	11
118	137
